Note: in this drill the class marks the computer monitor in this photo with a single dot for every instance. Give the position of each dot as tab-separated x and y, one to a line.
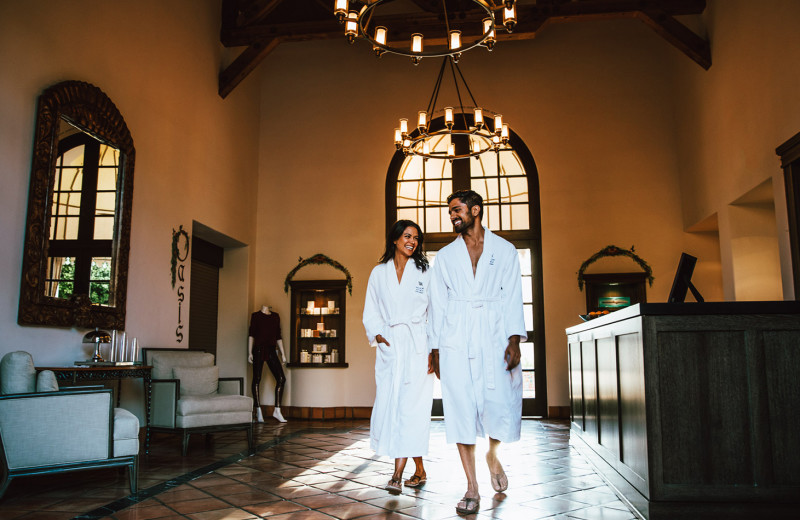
683	280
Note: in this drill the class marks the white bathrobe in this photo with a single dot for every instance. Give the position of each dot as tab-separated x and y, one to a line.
398	311
471	319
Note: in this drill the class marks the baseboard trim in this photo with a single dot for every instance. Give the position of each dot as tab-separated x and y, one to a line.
320	413
558	412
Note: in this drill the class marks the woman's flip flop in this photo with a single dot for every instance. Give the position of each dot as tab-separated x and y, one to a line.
394	486
416	481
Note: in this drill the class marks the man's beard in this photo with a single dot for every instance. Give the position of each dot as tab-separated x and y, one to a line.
466	223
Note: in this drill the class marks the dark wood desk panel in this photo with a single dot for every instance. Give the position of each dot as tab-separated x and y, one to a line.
690	410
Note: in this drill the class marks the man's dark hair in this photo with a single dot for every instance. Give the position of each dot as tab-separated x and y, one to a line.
395	232
470	198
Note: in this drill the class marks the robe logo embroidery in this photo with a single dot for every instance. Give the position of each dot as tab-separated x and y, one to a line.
419	289
491	260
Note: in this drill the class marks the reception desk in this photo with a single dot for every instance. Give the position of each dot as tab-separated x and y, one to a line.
692	410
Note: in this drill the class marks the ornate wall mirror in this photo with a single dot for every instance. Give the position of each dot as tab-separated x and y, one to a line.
77	236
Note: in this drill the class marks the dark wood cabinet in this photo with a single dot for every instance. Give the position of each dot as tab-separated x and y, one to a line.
318	324
690	409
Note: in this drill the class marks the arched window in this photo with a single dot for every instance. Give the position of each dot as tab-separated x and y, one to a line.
508	182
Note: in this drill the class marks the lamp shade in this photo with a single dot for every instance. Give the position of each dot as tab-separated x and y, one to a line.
380	35
455	40
416	42
97	336
478	117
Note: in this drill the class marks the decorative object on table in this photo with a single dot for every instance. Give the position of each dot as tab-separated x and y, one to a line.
615	251
318	259
592	315
97	337
120	352
476	26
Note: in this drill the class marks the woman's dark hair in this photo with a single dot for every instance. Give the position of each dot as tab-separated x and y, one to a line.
395	232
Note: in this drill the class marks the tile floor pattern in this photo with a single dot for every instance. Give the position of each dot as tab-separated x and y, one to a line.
306	470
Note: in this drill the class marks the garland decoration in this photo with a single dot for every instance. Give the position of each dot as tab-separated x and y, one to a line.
615	251
318	259
176	256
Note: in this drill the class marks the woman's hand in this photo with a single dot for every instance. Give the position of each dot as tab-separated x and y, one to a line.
433	362
381	339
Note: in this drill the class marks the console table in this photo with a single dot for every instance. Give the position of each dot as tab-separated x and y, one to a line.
78	374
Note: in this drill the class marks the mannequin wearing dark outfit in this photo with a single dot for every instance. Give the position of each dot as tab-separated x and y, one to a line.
264	344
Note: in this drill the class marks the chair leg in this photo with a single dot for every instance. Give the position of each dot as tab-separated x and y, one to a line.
133	475
4	484
185	443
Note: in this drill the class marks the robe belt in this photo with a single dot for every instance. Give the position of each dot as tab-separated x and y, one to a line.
416	326
475	325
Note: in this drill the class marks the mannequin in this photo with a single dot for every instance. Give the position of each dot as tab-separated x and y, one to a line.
263	346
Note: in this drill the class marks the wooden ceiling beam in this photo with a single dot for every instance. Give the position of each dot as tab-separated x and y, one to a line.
257	10
530	18
243	24
680	36
243	65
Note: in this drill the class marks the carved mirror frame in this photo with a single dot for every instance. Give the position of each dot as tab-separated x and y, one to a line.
87	107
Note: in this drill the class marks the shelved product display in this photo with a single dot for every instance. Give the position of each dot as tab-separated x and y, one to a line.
318	322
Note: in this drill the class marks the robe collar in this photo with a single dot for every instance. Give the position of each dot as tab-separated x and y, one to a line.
466	263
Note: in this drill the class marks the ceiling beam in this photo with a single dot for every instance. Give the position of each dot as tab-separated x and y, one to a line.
257	10
683	38
243	65
248	23
530	18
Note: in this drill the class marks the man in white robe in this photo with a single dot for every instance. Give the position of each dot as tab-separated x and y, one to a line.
476	324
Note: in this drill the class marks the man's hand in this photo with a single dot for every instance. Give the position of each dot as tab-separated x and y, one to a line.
381	339
433	362
513	354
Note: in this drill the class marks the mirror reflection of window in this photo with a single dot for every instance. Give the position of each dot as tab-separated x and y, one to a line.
82	218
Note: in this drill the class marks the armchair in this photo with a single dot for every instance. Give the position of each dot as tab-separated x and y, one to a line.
190	397
46	430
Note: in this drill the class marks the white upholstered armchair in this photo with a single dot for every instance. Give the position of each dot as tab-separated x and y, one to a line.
190	397
46	430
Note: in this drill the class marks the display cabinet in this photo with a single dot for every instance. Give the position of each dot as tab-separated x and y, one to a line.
318	324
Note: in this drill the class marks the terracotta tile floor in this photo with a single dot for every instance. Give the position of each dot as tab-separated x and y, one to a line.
321	470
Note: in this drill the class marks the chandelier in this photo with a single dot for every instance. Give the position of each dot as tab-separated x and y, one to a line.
359	23
484	131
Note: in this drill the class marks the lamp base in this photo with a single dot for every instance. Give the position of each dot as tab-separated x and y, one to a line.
97	357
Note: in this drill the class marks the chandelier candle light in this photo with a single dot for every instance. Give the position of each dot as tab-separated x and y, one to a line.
358	22
483	136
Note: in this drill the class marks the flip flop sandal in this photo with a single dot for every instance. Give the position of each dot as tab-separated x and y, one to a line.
416	481
471	506
394	486
499	482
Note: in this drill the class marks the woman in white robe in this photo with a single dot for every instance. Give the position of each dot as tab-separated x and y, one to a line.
395	318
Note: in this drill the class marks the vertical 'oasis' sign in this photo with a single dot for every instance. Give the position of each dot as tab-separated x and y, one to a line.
180	253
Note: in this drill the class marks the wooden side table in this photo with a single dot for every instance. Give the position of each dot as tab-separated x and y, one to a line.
78	374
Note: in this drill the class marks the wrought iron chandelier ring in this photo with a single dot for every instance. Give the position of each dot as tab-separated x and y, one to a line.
357	24
485	137
365	15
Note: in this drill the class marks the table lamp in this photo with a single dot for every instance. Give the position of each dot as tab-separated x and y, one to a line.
97	337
